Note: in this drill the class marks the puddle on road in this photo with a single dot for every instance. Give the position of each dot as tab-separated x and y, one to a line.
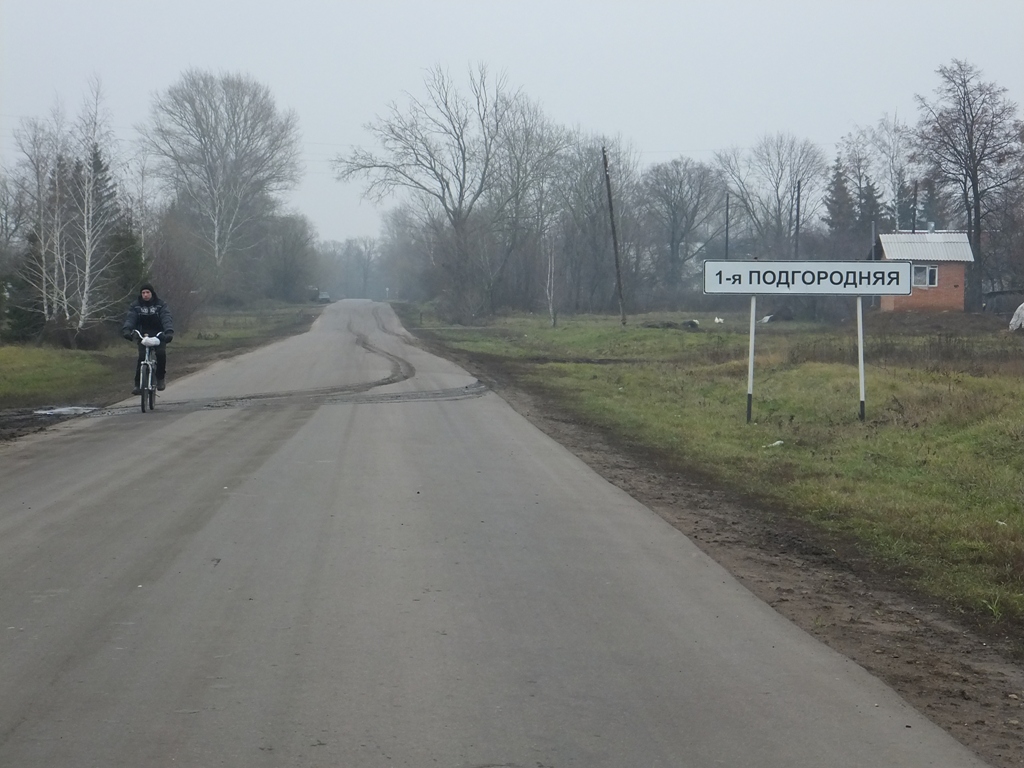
70	410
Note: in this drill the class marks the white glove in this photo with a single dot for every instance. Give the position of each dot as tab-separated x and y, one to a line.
151	341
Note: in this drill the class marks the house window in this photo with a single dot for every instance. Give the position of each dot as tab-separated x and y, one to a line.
926	276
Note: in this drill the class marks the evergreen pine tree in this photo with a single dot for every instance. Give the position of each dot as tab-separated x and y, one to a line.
867	205
869	210
840	215
934	207
129	269
840	211
906	214
100	245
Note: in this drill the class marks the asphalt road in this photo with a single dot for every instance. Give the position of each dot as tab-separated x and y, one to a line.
342	551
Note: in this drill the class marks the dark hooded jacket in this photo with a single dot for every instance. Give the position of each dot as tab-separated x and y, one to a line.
148	317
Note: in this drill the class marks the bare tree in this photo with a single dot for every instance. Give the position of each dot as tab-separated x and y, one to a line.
680	198
1004	246
138	194
582	231
14	218
224	149
584	241
359	257
521	201
43	179
971	140
441	149
892	141
97	215
287	250
75	265
765	181
171	262
404	267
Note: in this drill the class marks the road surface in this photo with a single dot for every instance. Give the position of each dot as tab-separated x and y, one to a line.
340	550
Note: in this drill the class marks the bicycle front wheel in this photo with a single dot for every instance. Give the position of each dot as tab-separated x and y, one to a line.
145	384
152	398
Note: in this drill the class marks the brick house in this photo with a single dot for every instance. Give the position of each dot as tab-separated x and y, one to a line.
939	262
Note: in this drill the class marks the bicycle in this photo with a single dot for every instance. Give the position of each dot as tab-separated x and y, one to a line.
147	370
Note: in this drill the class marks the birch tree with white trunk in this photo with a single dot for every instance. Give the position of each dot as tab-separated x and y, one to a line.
224	150
74	233
96	216
42	177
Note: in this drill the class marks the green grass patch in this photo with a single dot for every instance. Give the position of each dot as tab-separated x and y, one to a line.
222	329
34	376
931	484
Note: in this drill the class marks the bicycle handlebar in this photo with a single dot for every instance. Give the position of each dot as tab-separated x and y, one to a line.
141	339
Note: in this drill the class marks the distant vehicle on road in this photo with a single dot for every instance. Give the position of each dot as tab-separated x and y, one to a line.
323	297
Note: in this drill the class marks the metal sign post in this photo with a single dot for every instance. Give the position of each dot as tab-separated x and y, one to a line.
860	350
750	364
808	278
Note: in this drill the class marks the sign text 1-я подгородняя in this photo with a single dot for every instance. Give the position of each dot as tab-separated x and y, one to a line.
808	278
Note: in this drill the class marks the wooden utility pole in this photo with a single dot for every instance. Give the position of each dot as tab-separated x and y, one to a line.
796	236
726	225
615	237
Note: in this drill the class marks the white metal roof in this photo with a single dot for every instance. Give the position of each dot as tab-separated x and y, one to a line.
926	246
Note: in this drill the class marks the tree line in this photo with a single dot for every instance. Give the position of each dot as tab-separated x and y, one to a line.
500	208
192	204
505	210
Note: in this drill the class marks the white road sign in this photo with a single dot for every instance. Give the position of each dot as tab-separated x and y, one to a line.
808	278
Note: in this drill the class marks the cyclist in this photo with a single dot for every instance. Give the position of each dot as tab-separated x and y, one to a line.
149	315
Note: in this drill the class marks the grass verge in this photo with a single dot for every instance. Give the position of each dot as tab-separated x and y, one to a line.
32	377
930	486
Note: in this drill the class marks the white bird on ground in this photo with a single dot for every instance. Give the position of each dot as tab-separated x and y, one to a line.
766	319
1017	321
719	320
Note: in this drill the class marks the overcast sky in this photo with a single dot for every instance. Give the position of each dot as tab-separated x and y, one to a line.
669	78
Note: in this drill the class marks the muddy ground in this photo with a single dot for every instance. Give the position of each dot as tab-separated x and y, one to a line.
18	422
964	673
